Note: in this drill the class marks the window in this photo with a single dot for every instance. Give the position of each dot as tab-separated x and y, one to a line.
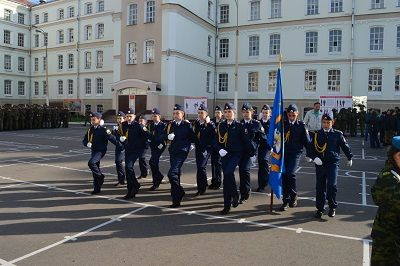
223	48
254	45
375	80
45	39
36	88
311	42
7	62
70	87
149	51
377	4
223	82
254	10
398	37
208	82
310	81
224	14
132	14
60	62
100	6
21	18
397	81
209	10
88	32
252	82
88	60
335	41
88	8
71	12
21	88
100	31
44	63
88	107
274	44
37	19
312	7
70	35
100	108
60	14
21	64
271	81
60	87
45	17
21	39
7	37
88	86
99	59
150	11
99	86
7	87
7	14
44	88
60	37
276	8
70	61
209	42
334	80
336	6
36	40
36	64
131	53
376	39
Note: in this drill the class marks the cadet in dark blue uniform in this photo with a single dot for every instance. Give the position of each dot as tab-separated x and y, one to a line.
180	134
134	140
144	168
264	151
254	135
204	132
325	152
216	164
296	138
119	150
157	135
230	143
96	138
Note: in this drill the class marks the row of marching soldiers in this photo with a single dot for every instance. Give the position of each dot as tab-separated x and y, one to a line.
229	143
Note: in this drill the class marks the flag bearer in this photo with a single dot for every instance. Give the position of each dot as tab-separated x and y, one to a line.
264	151
216	165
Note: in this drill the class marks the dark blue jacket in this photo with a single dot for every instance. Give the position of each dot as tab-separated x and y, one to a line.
254	136
334	141
99	138
263	142
232	139
156	134
117	134
214	120
204	136
296	137
136	136
184	136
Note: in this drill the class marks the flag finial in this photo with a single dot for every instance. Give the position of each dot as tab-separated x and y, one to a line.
280	61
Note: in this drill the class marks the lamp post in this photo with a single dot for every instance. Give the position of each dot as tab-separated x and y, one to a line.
38	30
237	56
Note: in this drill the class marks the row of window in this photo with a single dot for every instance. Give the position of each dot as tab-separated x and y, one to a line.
99	108
8	88
8	15
149	13
148	52
310	81
8	63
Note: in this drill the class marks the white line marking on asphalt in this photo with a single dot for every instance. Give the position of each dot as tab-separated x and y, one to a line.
298	169
364	189
14	185
366	258
299	230
5	263
66	239
363	154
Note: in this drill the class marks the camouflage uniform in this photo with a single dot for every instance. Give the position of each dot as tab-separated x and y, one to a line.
386	228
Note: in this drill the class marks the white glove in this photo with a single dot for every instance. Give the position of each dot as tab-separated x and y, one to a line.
122	138
191	147
208	119
205	154
101	122
222	152
253	159
171	136
115	127
317	161
350	163
308	159
160	146
89	145
108	132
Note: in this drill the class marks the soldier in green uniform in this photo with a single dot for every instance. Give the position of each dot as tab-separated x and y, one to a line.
65	117
21	120
386	194
29	117
353	122
53	119
361	120
7	118
1	118
15	115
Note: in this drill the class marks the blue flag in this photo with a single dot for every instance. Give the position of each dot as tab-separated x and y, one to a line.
276	140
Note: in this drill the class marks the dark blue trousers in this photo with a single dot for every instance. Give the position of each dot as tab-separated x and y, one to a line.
263	167
244	174
373	139
229	164
326	185
216	168
174	175
201	175
154	163
289	189
94	165
144	168
130	158
119	158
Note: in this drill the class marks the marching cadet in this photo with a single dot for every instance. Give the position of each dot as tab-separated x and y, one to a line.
386	194
296	138
325	152
254	135
144	168
119	150
96	138
134	140
216	165
231	141
204	132
264	150
180	134
157	135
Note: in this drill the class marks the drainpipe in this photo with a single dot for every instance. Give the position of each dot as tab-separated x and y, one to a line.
352	48
216	52
78	54
30	56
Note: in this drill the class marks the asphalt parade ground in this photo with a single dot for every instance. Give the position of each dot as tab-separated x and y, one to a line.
48	217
